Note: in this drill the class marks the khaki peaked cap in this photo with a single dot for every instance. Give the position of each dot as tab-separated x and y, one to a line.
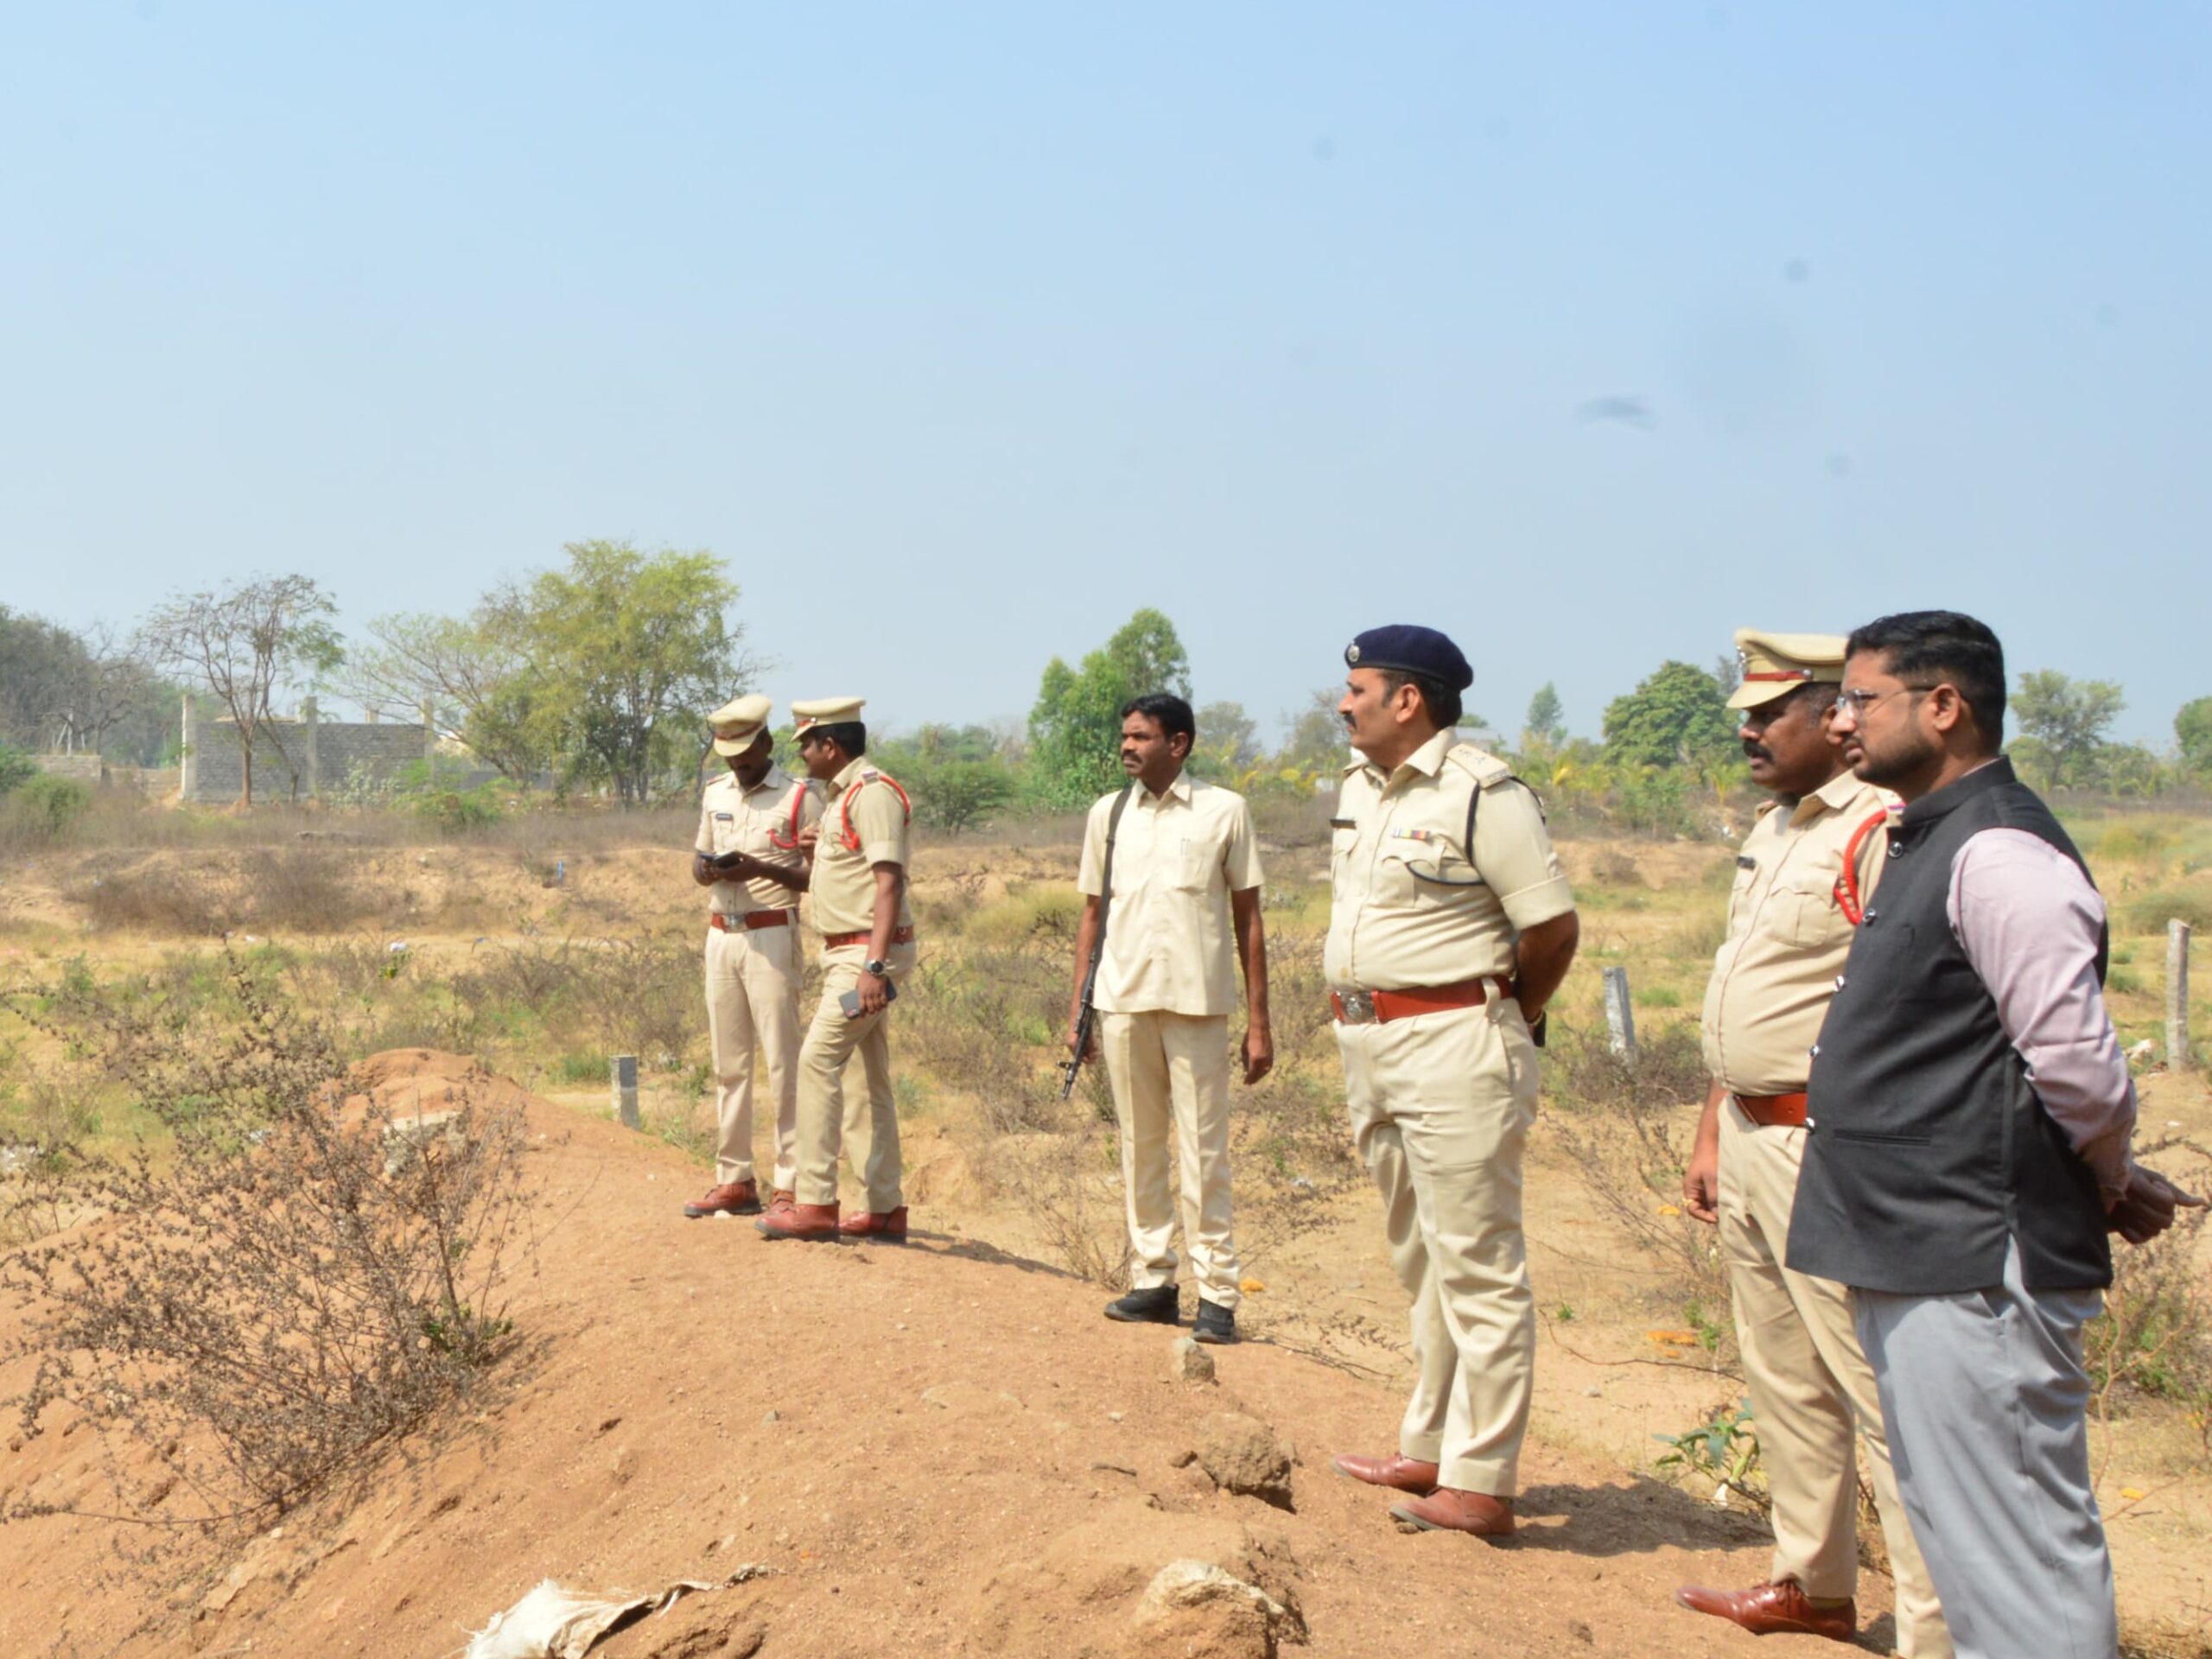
825	711
737	724
1774	664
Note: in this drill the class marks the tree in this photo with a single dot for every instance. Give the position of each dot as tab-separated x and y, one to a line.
1678	716
1228	743
1075	722
242	643
470	672
2063	724
627	652
955	773
1315	742
1544	727
2193	728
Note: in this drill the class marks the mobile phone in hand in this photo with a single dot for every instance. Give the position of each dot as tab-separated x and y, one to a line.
850	1002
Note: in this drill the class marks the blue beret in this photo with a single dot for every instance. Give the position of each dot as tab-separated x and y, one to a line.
1412	649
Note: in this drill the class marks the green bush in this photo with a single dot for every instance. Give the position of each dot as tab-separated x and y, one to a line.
42	808
456	811
17	768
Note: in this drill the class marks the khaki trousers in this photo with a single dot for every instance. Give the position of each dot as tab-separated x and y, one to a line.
1441	1108
1175	1067
832	1040
1813	1392
752	980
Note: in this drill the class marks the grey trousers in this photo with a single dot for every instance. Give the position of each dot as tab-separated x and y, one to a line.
1987	1406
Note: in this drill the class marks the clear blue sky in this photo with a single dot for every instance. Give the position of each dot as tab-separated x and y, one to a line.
962	330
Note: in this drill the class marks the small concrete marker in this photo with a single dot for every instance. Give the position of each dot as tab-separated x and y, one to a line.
626	1089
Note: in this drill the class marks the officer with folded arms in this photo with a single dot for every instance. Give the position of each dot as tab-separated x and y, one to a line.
1451	926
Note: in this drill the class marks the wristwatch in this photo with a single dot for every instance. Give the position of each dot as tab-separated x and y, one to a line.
877	966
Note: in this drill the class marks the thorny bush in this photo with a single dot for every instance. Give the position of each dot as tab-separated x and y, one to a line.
288	1281
1627	1127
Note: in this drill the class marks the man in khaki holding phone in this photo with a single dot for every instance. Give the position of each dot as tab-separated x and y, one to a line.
860	852
748	852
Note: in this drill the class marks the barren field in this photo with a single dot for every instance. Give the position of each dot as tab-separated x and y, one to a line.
942	1447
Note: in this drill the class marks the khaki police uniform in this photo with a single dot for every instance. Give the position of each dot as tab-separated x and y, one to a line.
1790	920
865	822
753	964
1441	1101
1167	984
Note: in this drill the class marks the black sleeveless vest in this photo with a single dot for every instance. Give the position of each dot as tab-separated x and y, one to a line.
1929	1147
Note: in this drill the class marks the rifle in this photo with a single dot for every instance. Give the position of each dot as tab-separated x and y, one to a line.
1085	1014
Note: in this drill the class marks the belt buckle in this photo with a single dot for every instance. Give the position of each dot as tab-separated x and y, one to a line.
1356	1008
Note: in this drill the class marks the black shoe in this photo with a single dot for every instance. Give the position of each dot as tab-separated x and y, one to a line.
1214	1324
1152	1306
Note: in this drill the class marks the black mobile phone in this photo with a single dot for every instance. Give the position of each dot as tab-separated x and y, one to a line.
850	1002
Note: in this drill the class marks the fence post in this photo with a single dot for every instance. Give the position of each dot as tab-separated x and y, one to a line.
2177	1050
1620	1018
626	1089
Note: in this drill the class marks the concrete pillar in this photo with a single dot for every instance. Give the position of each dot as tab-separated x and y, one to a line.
310	724
188	770
430	729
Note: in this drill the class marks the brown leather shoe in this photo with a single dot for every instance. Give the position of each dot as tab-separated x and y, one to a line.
782	1199
1400	1474
889	1225
1772	1609
730	1199
1449	1509
806	1221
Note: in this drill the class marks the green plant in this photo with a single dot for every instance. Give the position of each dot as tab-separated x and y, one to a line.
1724	1448
42	809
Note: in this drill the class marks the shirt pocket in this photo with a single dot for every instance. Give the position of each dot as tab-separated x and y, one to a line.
724	832
1803	915
1197	861
1423	872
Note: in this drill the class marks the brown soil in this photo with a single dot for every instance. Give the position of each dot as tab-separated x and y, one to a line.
936	1448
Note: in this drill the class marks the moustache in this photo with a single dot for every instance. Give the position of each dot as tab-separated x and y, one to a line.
1757	751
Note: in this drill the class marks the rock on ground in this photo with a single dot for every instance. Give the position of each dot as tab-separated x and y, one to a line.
1243	1455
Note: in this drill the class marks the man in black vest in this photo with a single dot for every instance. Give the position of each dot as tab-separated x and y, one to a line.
1971	1116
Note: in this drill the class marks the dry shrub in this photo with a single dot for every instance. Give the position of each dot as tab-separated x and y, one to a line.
1068	1186
984	1013
2153	1341
286	889
629	996
1628	1126
287	1283
1611	867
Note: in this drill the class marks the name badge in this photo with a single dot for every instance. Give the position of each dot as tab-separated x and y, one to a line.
725	817
1745	861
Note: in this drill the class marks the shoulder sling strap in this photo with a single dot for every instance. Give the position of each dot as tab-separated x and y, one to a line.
1848	898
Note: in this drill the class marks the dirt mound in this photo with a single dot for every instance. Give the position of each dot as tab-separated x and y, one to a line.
935	1449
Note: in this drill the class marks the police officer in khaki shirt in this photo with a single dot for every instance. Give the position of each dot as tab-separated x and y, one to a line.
1185	874
1452	925
859	888
748	852
1803	878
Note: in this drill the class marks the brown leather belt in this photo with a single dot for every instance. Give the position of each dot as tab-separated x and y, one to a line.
1775	1111
1380	1008
750	920
839	941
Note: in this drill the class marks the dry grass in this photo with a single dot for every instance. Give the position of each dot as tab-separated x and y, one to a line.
291	1285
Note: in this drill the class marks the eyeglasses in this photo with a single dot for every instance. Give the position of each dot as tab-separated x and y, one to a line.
1856	703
